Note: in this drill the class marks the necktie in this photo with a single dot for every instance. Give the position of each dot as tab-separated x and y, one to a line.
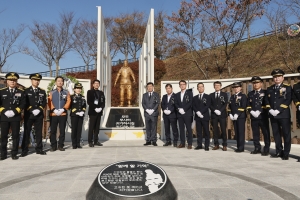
35	90
150	95
11	92
217	95
200	97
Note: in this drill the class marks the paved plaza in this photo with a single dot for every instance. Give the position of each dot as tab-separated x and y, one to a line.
195	174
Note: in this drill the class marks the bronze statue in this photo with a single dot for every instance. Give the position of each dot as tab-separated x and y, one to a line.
125	83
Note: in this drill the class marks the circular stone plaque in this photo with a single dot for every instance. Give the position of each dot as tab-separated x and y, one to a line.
132	179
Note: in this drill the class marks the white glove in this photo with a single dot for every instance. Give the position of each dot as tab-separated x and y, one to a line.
198	113
8	113
81	113
299	108
276	112
35	112
201	116
181	111
11	113
148	111
271	111
100	109
56	112
169	112
166	112
253	113
60	111
257	113
217	112
97	110
151	111
235	116
78	113
231	117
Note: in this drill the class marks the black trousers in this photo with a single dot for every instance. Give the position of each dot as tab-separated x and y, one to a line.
61	121
285	126
186	122
216	131
202	126
94	128
38	127
15	128
151	128
173	122
263	124
239	129
76	122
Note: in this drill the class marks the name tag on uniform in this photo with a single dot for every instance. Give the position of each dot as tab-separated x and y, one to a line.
96	101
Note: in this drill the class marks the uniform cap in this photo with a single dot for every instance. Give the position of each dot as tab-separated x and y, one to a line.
35	76
236	84
77	85
277	72
12	76
256	79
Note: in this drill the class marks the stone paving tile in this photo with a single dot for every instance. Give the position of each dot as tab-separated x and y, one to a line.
220	194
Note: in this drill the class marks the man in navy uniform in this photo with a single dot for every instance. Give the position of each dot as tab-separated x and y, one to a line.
201	104
34	114
183	104
169	115
150	104
237	108
259	116
11	104
96	102
279	97
219	101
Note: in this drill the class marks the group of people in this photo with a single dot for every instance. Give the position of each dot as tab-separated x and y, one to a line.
33	100
264	106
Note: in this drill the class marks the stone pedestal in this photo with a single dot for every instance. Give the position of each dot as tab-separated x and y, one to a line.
132	180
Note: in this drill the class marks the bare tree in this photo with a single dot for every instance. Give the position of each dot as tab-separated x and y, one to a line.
128	33
8	38
53	41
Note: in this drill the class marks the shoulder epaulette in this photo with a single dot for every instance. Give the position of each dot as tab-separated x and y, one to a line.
286	84
20	89
3	88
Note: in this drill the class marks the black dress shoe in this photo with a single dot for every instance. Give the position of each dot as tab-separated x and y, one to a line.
265	153
74	147
174	144
41	152
15	157
198	147
147	143
206	149
238	151
256	151
98	144
276	155
91	145
3	158
154	144
285	157
61	149
23	154
53	149
167	143
79	147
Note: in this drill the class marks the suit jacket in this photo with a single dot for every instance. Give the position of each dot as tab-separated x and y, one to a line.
78	104
237	105
185	104
256	101
150	103
35	100
169	105
296	95
15	102
279	99
202	106
93	95
218	104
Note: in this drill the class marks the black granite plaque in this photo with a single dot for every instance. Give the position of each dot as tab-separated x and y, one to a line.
124	118
132	180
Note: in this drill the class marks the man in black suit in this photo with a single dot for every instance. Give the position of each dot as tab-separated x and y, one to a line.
150	104
219	101
259	116
12	102
201	104
183	104
237	105
34	114
169	115
279	97
96	102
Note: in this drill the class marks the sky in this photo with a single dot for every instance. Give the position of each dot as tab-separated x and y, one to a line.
16	12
